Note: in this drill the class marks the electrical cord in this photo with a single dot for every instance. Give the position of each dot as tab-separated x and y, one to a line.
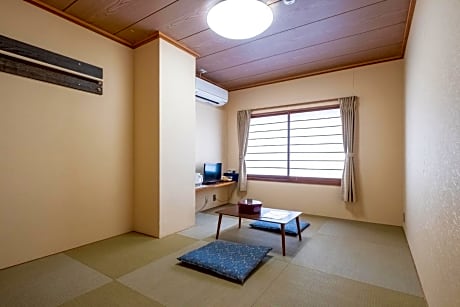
206	200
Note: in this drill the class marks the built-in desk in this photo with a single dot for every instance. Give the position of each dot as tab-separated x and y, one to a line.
213	186
212	195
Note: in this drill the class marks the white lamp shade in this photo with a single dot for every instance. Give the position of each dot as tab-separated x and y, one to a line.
239	19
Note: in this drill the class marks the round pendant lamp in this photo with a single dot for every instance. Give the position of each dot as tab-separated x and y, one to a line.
239	19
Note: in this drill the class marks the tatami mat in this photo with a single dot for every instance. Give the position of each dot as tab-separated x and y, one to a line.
316	222
206	225
174	285
387	266
47	282
112	294
122	254
299	286
374	233
249	235
338	263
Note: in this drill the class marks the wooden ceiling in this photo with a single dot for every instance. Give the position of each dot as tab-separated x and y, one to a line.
306	38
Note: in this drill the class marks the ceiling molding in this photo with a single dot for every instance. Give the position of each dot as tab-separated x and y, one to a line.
315	73
111	36
410	15
78	21
157	35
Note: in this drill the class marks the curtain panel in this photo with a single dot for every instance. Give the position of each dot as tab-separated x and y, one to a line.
243	120
348	113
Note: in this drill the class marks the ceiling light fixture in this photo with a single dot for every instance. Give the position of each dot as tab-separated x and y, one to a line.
240	19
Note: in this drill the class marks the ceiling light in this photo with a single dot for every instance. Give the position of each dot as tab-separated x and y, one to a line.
240	19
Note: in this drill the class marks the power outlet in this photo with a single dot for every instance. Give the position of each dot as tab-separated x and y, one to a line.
214	198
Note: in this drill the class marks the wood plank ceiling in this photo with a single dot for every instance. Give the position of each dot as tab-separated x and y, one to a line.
306	38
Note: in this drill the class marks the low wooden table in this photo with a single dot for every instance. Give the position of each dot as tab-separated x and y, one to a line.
278	216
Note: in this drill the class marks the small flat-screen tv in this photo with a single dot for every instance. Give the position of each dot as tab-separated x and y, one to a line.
212	173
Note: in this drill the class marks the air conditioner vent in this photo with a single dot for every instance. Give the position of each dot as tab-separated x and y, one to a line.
210	93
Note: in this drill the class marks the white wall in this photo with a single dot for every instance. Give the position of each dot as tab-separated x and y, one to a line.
433	149
65	155
379	146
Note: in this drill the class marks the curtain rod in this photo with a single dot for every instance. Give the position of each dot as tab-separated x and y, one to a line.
296	104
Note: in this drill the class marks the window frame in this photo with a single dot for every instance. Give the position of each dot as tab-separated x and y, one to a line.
294	179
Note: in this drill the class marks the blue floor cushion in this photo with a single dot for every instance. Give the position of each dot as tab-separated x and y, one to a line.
289	229
232	260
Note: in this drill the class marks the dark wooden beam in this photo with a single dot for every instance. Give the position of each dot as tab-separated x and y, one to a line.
44	73
42	55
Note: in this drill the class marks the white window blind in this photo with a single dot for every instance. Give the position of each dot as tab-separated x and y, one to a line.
296	145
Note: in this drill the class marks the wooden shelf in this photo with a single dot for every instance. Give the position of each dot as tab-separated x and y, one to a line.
217	185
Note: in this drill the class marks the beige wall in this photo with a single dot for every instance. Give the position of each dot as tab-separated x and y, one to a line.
211	135
177	139
380	142
65	155
164	139
146	139
210	146
433	149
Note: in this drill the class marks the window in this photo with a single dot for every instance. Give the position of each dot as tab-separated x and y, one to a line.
302	145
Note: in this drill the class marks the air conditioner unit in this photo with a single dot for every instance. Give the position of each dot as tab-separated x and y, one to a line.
210	93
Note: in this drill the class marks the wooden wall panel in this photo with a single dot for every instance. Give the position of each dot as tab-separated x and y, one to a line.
35	71
49	57
25	60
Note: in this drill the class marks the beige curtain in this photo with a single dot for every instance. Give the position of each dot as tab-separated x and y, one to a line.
243	120
348	113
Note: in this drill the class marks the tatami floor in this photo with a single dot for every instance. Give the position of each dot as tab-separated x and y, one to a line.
338	263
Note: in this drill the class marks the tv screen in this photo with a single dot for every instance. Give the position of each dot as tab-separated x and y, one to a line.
212	173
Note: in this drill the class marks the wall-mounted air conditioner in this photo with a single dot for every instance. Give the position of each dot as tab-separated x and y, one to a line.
210	93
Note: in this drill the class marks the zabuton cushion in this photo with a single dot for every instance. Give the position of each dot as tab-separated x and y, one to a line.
229	259
289	229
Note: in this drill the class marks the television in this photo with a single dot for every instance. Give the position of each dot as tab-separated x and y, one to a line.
212	173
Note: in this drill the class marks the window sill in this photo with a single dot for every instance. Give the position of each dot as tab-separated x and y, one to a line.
304	180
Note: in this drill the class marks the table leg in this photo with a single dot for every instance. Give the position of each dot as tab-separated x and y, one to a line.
218	226
239	222
283	239
297	220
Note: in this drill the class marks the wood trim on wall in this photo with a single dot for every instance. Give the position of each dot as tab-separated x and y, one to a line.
23	68
157	35
89	26
304	180
302	107
78	21
42	55
408	24
314	73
